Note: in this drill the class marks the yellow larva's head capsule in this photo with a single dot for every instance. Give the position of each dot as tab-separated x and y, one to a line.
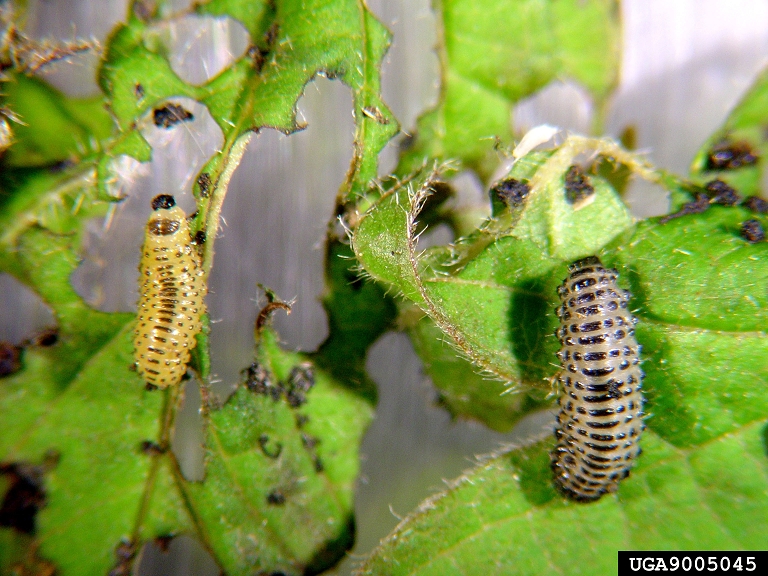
167	218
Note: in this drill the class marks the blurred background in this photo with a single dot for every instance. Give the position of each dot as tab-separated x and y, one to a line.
685	64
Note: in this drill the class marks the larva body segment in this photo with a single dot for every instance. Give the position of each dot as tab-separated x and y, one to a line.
601	402
171	297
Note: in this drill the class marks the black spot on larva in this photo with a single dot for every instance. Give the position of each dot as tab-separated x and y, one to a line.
171	114
727	155
200	238
163	202
511	192
577	185
204	183
10	358
756	204
595	448
752	231
720	193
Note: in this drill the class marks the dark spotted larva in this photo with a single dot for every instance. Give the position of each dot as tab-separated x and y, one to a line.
171	296
601	402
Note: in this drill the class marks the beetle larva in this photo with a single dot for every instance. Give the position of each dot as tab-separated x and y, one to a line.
171	296
601	403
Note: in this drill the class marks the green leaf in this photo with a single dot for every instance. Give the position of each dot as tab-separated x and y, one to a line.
486	68
80	397
342	39
464	392
51	128
740	138
359	312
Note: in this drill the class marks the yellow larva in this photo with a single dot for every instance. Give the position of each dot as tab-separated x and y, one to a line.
171	296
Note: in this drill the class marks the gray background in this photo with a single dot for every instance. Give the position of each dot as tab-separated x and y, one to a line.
686	63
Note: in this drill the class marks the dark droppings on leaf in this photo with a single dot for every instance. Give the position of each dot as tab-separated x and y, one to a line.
164	542
138	90
170	115
151	448
46	338
125	552
259	380
699	205
319	466
406	142
300	381
25	496
10	359
577	185
204	182
301	420
726	155
276	498
309	441
273	453
752	231
270	37
756	204
720	193
511	192
145	10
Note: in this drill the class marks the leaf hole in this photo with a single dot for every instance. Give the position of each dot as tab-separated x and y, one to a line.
201	47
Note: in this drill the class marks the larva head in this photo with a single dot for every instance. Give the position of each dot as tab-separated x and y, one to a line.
167	218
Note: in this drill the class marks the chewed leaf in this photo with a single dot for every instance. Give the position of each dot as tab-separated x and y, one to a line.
117	481
491	292
280	469
488	67
734	152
